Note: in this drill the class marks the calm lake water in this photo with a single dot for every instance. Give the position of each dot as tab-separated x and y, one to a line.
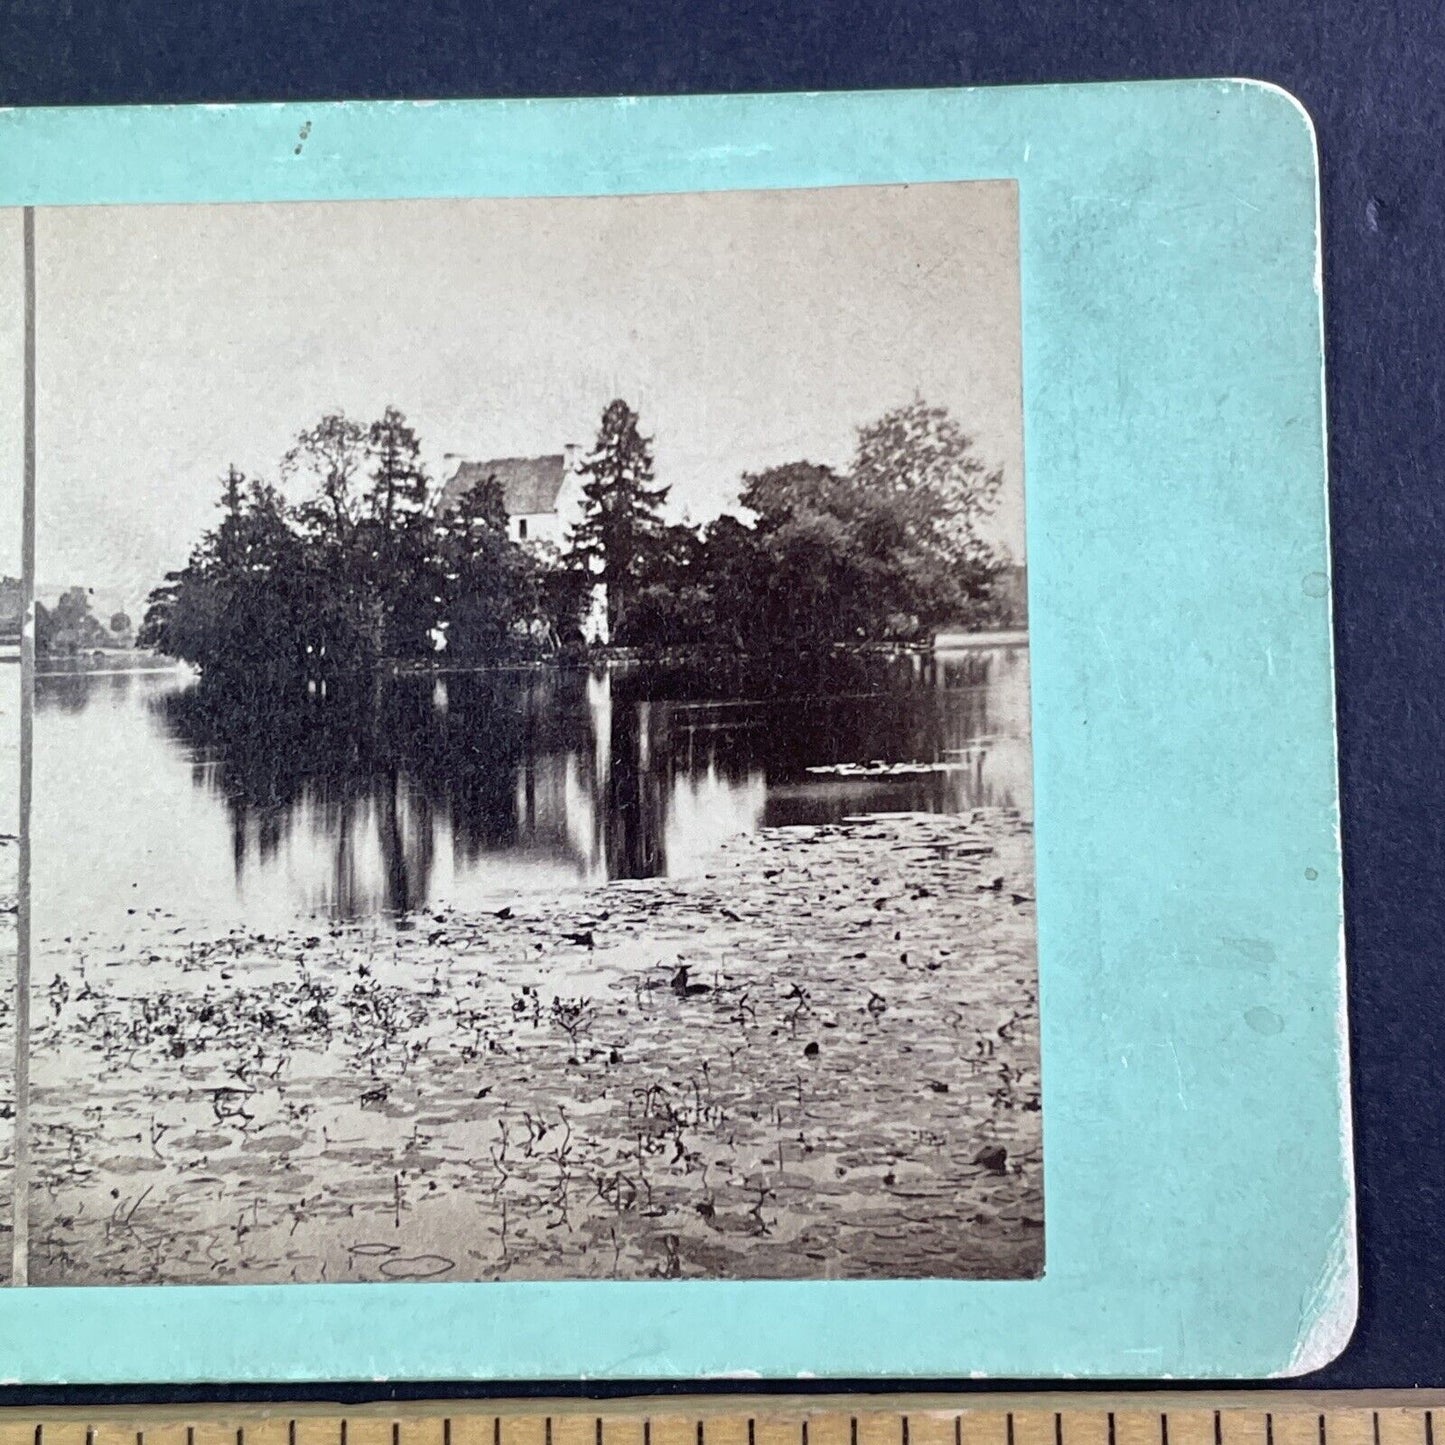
471	789
318	994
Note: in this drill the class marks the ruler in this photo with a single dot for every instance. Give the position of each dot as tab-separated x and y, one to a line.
1175	1418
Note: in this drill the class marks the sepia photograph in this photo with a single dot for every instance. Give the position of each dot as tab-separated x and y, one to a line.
531	772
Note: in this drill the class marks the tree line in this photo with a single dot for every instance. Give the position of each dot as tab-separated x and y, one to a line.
365	567
70	627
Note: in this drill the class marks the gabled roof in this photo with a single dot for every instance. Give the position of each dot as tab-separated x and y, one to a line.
530	485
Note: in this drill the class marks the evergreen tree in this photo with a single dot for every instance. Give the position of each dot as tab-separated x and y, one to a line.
399	486
392	559
622	519
233	494
239	609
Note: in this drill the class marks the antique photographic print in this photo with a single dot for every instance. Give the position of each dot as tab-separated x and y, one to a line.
531	771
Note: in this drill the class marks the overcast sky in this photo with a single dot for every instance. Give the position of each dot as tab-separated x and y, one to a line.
749	328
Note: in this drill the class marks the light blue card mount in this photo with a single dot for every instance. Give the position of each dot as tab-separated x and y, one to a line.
1196	1159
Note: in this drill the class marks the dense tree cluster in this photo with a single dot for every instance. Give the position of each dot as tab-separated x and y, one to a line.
888	550
361	569
365	567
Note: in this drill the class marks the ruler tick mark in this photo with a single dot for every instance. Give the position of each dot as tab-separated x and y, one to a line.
986	1417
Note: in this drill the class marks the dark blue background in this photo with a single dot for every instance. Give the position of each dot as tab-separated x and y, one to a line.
1372	73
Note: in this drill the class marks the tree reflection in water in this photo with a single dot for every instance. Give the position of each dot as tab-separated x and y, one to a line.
618	771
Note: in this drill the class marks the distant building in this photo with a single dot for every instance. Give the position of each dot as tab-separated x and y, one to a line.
544	501
543	495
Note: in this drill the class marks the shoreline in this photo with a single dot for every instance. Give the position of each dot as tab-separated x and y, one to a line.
819	1059
141	661
679	656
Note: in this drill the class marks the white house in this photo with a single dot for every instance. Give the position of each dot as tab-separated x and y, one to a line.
544	501
543	495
